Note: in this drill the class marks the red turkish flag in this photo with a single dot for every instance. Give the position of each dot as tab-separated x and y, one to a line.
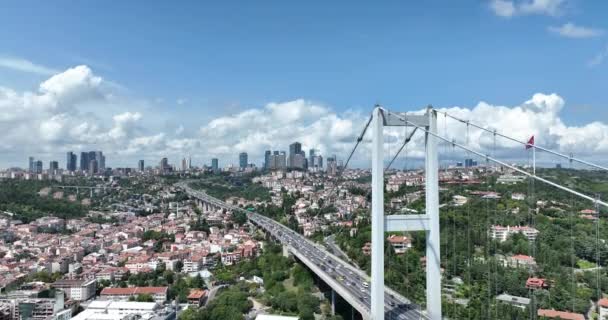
530	143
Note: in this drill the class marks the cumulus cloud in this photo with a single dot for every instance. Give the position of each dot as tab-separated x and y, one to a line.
570	30
509	8
58	117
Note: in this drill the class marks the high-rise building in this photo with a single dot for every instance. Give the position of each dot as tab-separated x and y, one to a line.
164	165
184	164
38	166
332	166
84	161
189	164
140	165
294	149
215	166
267	156
93	167
243	161
53	167
470	163
311	158
31	164
71	160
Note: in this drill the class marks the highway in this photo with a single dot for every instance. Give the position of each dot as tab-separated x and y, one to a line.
349	282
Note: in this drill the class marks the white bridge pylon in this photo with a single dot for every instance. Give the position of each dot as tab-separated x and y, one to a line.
428	222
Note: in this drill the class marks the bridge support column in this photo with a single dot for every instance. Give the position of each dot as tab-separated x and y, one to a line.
333	302
286	252
433	256
377	285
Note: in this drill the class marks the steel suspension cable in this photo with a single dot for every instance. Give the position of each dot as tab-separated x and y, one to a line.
502	163
569	157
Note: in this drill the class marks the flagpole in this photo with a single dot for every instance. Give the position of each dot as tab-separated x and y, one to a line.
534	159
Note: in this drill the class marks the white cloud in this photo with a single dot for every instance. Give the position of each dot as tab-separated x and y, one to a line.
70	111
181	101
599	58
503	8
570	30
24	65
509	8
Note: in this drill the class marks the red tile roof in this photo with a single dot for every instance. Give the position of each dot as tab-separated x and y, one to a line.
134	290
560	314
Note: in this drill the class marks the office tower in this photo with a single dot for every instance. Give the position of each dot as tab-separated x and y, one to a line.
243	160
294	149
84	161
71	160
102	166
31	164
140	165
318	162
311	158
189	164
469	163
184	164
267	159
215	165
37	166
164	165
93	167
282	161
332	166
53	167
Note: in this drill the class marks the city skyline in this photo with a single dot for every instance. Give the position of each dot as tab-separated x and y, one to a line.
89	98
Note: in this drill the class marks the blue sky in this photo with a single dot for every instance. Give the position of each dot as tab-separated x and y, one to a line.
203	60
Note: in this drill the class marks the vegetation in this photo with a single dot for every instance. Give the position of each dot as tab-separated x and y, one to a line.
21	198
223	187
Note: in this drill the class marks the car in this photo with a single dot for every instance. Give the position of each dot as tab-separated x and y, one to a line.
391	303
365	284
363	290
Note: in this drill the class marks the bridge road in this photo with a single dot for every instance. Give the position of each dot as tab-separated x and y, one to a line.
347	281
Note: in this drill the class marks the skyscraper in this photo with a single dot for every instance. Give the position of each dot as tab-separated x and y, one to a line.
267	158
93	167
71	160
37	166
84	161
215	165
53	167
140	165
184	164
31	164
294	149
164	165
243	161
311	158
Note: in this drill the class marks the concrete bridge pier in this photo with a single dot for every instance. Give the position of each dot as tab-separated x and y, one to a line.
333	302
286	252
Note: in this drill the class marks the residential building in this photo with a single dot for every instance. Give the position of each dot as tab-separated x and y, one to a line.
501	233
519	261
53	167
515	301
197	297
537	283
399	243
603	309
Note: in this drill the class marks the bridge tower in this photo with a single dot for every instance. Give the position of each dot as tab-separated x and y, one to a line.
428	222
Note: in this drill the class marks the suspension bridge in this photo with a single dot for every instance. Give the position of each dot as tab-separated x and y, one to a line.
381	301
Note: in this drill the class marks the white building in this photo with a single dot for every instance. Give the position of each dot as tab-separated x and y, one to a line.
117	310
77	289
603	309
501	233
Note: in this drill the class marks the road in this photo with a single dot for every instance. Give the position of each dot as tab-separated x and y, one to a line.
351	283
